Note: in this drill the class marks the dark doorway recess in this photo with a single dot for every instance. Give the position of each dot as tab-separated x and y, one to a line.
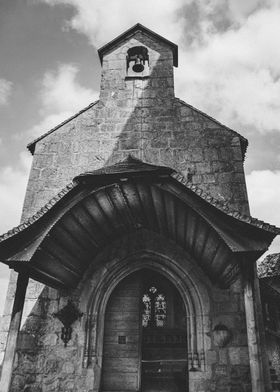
145	336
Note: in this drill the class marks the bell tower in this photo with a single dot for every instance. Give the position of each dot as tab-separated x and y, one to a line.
137	65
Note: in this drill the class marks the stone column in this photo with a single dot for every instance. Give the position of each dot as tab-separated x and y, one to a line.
262	340
14	328
255	352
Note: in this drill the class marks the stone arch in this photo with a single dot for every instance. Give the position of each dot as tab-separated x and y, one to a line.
133	253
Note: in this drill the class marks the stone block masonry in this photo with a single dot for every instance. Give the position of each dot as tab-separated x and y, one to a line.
45	365
138	116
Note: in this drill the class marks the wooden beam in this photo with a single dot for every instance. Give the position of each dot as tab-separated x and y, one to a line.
14	328
256	365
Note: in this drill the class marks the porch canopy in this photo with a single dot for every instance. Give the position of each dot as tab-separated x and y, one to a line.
58	243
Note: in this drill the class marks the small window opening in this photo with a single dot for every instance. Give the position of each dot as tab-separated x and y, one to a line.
154	308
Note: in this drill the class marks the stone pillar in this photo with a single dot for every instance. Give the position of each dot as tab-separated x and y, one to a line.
8	361
255	352
262	341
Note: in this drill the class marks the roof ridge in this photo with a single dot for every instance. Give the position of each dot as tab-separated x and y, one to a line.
127	166
46	207
244	140
131	31
31	145
223	206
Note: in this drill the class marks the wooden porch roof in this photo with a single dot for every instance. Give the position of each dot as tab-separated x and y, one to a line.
57	245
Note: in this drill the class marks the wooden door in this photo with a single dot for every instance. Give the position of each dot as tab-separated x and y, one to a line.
145	345
164	338
122	345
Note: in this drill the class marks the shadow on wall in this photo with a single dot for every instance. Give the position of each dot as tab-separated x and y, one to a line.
144	107
138	116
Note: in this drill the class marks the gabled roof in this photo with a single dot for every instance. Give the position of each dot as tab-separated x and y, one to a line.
130	32
59	243
131	166
243	140
31	146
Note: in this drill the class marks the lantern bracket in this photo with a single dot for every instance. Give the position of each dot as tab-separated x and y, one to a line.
67	316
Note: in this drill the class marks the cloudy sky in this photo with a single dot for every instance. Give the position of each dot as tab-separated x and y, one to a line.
229	67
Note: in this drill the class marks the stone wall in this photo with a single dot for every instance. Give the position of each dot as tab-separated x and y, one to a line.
138	116
273	351
44	364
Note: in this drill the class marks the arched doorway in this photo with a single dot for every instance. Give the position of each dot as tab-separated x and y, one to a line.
145	336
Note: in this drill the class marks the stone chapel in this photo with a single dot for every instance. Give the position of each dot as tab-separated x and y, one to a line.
134	266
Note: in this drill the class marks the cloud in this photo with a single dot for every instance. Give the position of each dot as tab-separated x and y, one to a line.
5	91
61	96
99	20
13	181
62	92
263	192
229	63
235	75
234	11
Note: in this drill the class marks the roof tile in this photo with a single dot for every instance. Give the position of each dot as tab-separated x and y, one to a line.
131	164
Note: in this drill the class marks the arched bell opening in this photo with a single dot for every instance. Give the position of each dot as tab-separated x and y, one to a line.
145	336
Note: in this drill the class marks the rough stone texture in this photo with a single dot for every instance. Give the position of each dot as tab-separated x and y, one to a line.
273	347
140	117
269	267
270	296
44	363
230	370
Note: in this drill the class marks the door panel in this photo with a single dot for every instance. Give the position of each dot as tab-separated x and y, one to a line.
164	360
121	349
164	338
145	350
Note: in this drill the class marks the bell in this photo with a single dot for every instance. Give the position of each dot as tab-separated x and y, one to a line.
138	66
